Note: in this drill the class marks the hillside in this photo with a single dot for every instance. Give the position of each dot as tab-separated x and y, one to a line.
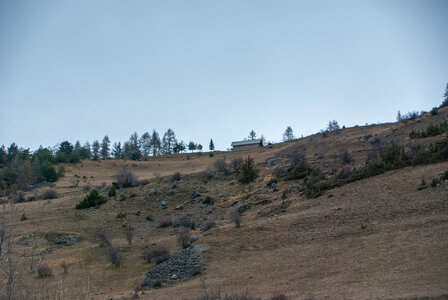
378	237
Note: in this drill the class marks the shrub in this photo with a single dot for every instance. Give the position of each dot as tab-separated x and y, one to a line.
208	224
114	256
346	158
18	197
236	218
278	296
112	192
422	185
176	177
125	178
48	194
434	111
249	172
221	166
165	222
65	266
101	236
299	171
129	234
44	271
91	200
184	237
156	254
237	164
23	217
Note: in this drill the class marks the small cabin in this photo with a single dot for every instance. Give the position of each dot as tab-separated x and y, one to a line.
247	145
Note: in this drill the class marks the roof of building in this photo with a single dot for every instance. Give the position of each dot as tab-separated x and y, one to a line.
247	142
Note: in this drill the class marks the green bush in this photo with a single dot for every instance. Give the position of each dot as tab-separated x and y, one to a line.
112	192
249	172
91	200
48	172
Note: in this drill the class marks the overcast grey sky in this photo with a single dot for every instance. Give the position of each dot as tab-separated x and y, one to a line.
74	70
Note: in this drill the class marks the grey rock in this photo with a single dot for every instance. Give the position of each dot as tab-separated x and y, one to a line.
138	213
196	194
204	205
194	238
162	205
234	203
179	207
170	192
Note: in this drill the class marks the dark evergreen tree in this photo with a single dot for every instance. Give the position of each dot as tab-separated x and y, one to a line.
96	150
117	152
288	134
105	148
211	146
252	135
168	141
145	142
155	143
192	146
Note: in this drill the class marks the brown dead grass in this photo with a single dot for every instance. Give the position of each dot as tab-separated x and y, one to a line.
375	238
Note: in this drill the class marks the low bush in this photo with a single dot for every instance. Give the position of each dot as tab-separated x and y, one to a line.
422	185
184	237
237	164
221	166
102	237
44	271
125	178
48	194
431	130
176	177
114	256
65	267
112	192
236	218
207	225
156	254
165	222
91	200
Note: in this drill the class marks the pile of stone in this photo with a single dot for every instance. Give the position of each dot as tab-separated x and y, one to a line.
182	265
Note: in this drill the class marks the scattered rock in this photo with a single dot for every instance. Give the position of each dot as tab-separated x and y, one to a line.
162	205
234	203
204	205
170	192
195	195
272	161
182	265
273	186
138	213
179	207
61	240
194	238
174	184
210	211
202	248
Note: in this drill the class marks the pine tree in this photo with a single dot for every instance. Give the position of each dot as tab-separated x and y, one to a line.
252	135
399	116
96	150
145	142
445	97
134	145
288	134
168	141
211	145
155	143
117	152
105	147
192	146
86	151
